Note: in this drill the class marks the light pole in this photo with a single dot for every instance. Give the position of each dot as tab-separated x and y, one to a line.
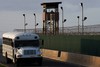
62	19
78	23
35	21
63	24
36	24
24	23
83	25
83	19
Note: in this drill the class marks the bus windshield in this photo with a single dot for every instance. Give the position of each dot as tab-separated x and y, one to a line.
25	43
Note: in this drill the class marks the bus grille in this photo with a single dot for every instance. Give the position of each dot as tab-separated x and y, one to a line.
29	52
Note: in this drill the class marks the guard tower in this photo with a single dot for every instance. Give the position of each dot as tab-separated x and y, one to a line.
51	17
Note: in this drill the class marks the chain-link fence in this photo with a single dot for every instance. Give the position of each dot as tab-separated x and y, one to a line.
88	30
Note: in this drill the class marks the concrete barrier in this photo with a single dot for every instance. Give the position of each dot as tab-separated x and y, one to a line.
81	59
50	53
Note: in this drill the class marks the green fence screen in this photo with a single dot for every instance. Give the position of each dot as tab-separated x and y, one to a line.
85	44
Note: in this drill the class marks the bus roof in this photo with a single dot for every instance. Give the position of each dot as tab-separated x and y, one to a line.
21	36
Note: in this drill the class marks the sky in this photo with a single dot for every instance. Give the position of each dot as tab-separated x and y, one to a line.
11	13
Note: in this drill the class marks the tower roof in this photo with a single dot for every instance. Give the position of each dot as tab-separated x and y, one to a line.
51	4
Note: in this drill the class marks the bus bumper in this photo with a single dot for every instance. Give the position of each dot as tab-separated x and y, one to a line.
35	60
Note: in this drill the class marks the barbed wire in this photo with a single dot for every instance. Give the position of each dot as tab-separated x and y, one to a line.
90	29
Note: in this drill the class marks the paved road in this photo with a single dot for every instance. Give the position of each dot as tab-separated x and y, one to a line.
46	63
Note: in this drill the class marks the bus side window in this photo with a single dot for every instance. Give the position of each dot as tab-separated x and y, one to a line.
12	44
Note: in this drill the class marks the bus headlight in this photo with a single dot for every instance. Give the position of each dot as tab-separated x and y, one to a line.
19	55
39	54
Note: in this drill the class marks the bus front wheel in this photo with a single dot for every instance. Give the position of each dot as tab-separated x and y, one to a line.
7	59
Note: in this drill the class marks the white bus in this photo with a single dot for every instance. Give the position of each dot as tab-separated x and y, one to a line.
19	46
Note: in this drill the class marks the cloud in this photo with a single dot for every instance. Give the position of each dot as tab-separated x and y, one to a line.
93	16
68	7
11	12
19	4
10	20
